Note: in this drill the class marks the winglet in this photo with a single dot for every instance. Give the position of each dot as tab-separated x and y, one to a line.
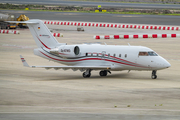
24	61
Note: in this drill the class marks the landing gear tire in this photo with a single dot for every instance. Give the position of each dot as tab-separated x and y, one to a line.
103	73
154	76
87	74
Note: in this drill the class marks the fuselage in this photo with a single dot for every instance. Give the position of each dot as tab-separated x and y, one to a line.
116	56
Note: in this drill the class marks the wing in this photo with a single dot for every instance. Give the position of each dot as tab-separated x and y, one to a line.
74	68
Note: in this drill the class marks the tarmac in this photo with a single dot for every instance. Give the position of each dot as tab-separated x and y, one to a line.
29	93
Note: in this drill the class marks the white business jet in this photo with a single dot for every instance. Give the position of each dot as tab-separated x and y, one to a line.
88	57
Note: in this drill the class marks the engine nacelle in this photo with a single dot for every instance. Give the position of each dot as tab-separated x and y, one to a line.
68	51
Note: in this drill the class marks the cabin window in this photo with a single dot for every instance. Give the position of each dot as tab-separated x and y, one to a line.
97	54
114	55
108	55
125	55
86	54
91	54
119	55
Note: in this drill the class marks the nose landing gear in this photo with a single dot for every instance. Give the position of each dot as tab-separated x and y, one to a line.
154	76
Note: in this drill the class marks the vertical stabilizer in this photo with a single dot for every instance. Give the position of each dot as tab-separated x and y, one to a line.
41	34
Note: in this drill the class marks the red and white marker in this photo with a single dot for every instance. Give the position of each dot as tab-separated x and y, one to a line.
9	32
136	36
112	25
57	34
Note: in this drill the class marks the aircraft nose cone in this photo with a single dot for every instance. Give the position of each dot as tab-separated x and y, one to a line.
163	63
167	64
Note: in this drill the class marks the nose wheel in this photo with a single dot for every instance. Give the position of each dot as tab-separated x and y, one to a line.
154	76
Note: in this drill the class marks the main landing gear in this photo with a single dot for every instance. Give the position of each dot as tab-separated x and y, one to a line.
154	76
104	72
87	73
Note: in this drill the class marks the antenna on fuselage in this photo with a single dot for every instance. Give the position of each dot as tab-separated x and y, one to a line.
129	44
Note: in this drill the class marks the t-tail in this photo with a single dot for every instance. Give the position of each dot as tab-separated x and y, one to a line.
40	33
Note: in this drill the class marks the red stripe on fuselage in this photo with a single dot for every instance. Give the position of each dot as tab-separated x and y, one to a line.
90	59
70	60
122	59
124	63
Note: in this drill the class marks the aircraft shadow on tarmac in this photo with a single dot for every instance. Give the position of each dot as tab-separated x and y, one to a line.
128	76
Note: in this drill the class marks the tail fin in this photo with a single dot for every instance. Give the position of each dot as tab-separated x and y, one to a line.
40	33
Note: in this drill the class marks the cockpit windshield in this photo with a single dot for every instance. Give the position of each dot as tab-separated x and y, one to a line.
150	53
